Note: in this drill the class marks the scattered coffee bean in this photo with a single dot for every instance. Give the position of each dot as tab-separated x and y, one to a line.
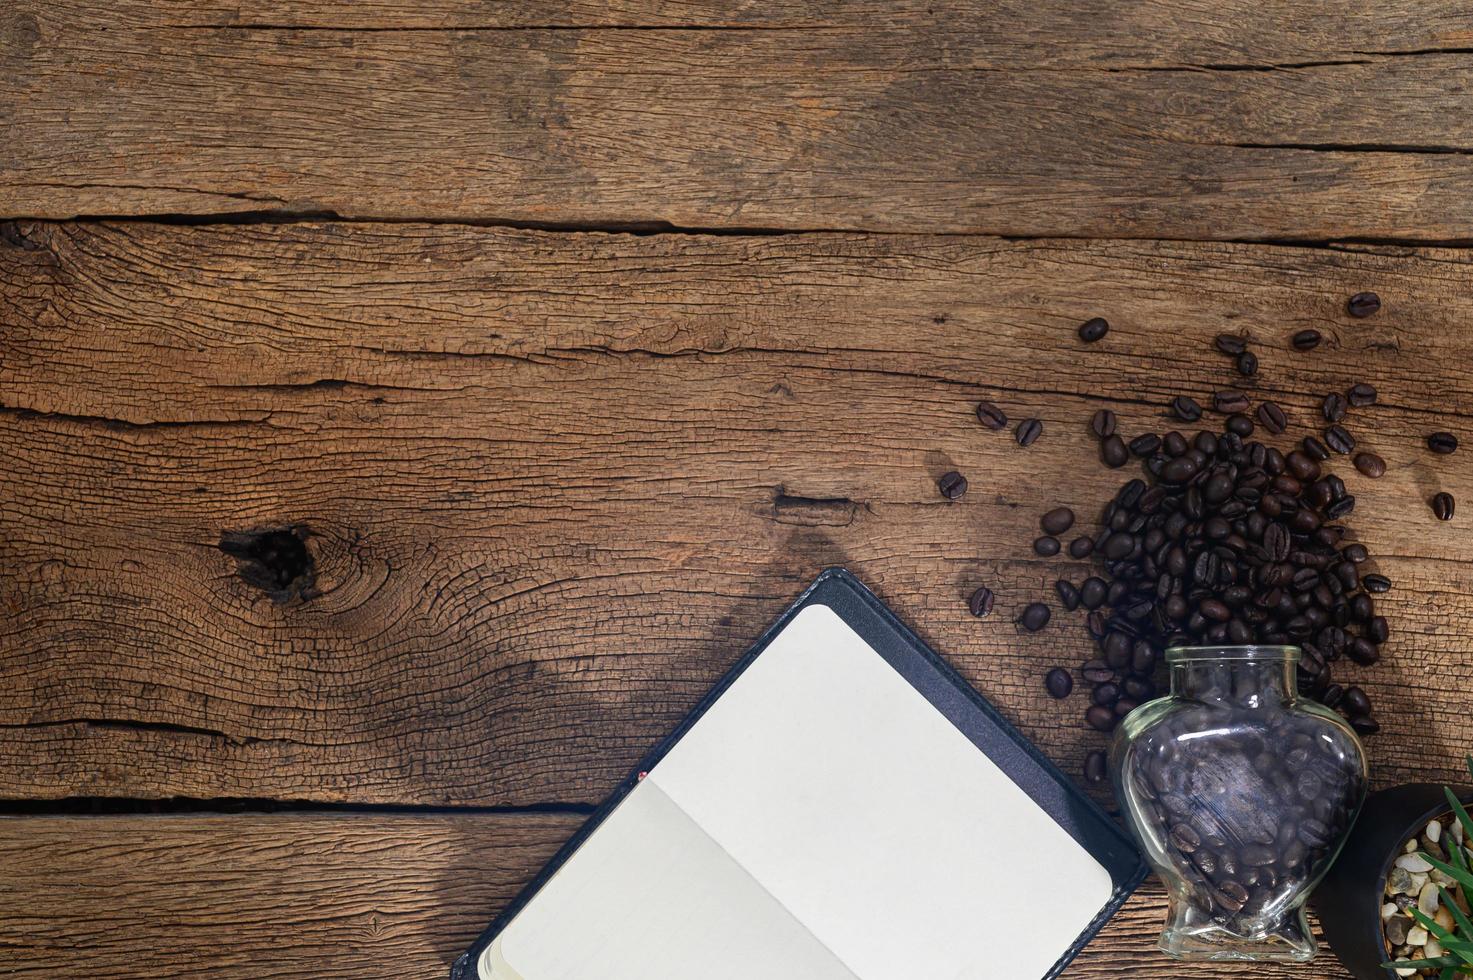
1305	340
1272	417
1363	304
1356	702
1231	343
1186	408
1239	425
1081	547
1092	592
1094	768
1443	506
1365	725
1068	594
1028	431
991	416
981	602
1339	440
1057	521
952	485
1100	718
1113	452
1315	449
1103	423
1230	402
1361	395
1097	672
1376	583
1059	683
1145	445
1035	616
1046	546
1106	694
1442	443
1334	407
1371	465
1247	364
1093	329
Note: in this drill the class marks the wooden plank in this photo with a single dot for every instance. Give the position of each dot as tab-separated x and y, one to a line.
1014	122
323	896
556	483
1153	31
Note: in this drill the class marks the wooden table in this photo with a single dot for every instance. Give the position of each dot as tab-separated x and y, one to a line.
564	341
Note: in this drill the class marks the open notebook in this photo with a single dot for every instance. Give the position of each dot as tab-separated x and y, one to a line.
842	807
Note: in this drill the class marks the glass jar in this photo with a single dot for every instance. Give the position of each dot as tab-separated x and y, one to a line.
1240	793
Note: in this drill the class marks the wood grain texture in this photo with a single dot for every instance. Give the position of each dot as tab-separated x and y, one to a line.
556	483
360	897
1014	121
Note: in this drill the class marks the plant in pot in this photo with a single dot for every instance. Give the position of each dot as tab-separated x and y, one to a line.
1396	904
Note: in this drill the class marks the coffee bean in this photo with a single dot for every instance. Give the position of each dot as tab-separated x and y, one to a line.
1301	467
1230	402
1240	425
1371	465
1028	432
1355	701
1334	407
1258	856
1100	718
1377	630
1305	340
1340	508
1057	521
1376	583
1339	440
1365	725
1230	343
1106	694
1113	452
1068	594
1355	553
1081	547
981	602
1035	617
1097	672
1247	364
1138	689
1179	470
1093	329
1094	768
1315	449
1363	304
1145	445
1058	682
1092	592
1102	423
1272	417
1185	838
1046	546
1361	395
991	416
952	485
1443	506
1186	408
1442	443
1174	444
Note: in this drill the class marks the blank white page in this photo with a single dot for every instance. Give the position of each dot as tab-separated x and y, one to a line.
649	896
874	821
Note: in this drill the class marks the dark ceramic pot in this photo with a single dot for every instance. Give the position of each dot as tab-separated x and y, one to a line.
1349	899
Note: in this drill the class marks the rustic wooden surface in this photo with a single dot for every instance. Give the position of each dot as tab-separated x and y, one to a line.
1244	120
554	479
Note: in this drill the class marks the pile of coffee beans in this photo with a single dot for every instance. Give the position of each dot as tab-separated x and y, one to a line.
1223	539
1246	801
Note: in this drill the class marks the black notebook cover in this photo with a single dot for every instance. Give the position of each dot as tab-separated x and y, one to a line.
968	711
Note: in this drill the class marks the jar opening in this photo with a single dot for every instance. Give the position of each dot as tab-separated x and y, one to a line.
1181	655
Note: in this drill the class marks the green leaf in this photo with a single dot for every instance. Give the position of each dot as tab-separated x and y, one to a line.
1465	926
1462	812
1418	964
1462	876
1422	920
